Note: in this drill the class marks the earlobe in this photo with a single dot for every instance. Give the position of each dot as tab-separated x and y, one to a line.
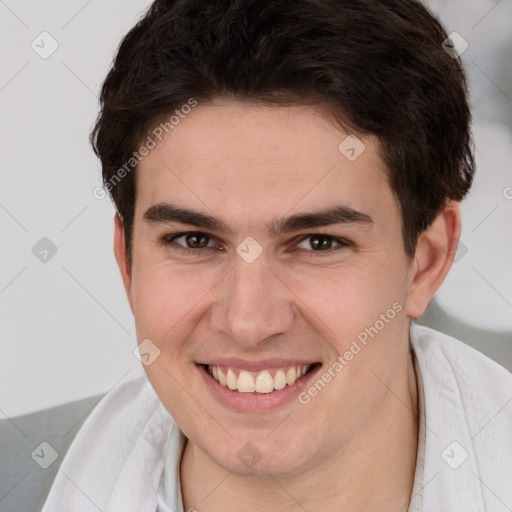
121	257
435	252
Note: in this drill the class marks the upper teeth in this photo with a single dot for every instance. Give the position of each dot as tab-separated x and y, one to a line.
262	382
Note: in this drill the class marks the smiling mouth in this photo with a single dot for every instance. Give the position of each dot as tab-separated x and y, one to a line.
265	381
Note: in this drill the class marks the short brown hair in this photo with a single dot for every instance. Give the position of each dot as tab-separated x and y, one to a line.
378	66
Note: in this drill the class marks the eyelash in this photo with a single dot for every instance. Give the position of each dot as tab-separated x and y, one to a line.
167	240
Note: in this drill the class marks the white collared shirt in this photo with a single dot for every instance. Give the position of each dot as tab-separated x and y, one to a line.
126	455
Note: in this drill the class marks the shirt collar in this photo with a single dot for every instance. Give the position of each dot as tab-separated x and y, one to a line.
169	497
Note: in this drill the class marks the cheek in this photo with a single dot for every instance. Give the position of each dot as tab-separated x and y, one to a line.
165	299
343	301
363	318
167	307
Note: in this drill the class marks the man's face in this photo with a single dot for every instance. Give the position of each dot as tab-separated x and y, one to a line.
293	294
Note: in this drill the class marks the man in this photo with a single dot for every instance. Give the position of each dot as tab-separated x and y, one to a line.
287	179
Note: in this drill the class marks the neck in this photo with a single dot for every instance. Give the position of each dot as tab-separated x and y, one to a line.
374	472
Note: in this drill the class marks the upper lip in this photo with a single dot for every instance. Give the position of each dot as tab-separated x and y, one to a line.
256	365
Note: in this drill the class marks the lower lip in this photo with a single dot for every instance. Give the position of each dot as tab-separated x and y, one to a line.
247	402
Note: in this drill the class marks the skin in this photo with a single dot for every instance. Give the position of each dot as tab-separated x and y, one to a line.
353	446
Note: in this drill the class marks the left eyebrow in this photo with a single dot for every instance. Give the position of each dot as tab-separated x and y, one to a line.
340	214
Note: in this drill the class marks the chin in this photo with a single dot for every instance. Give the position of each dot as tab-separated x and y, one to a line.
263	459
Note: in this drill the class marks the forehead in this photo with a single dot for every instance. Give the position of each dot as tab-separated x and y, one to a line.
246	162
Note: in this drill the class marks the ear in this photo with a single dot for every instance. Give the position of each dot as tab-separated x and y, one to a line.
121	257
435	252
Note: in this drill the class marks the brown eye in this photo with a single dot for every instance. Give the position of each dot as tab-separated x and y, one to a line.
190	242
197	240
320	242
317	243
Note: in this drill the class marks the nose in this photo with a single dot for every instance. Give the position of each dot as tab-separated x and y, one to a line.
254	304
